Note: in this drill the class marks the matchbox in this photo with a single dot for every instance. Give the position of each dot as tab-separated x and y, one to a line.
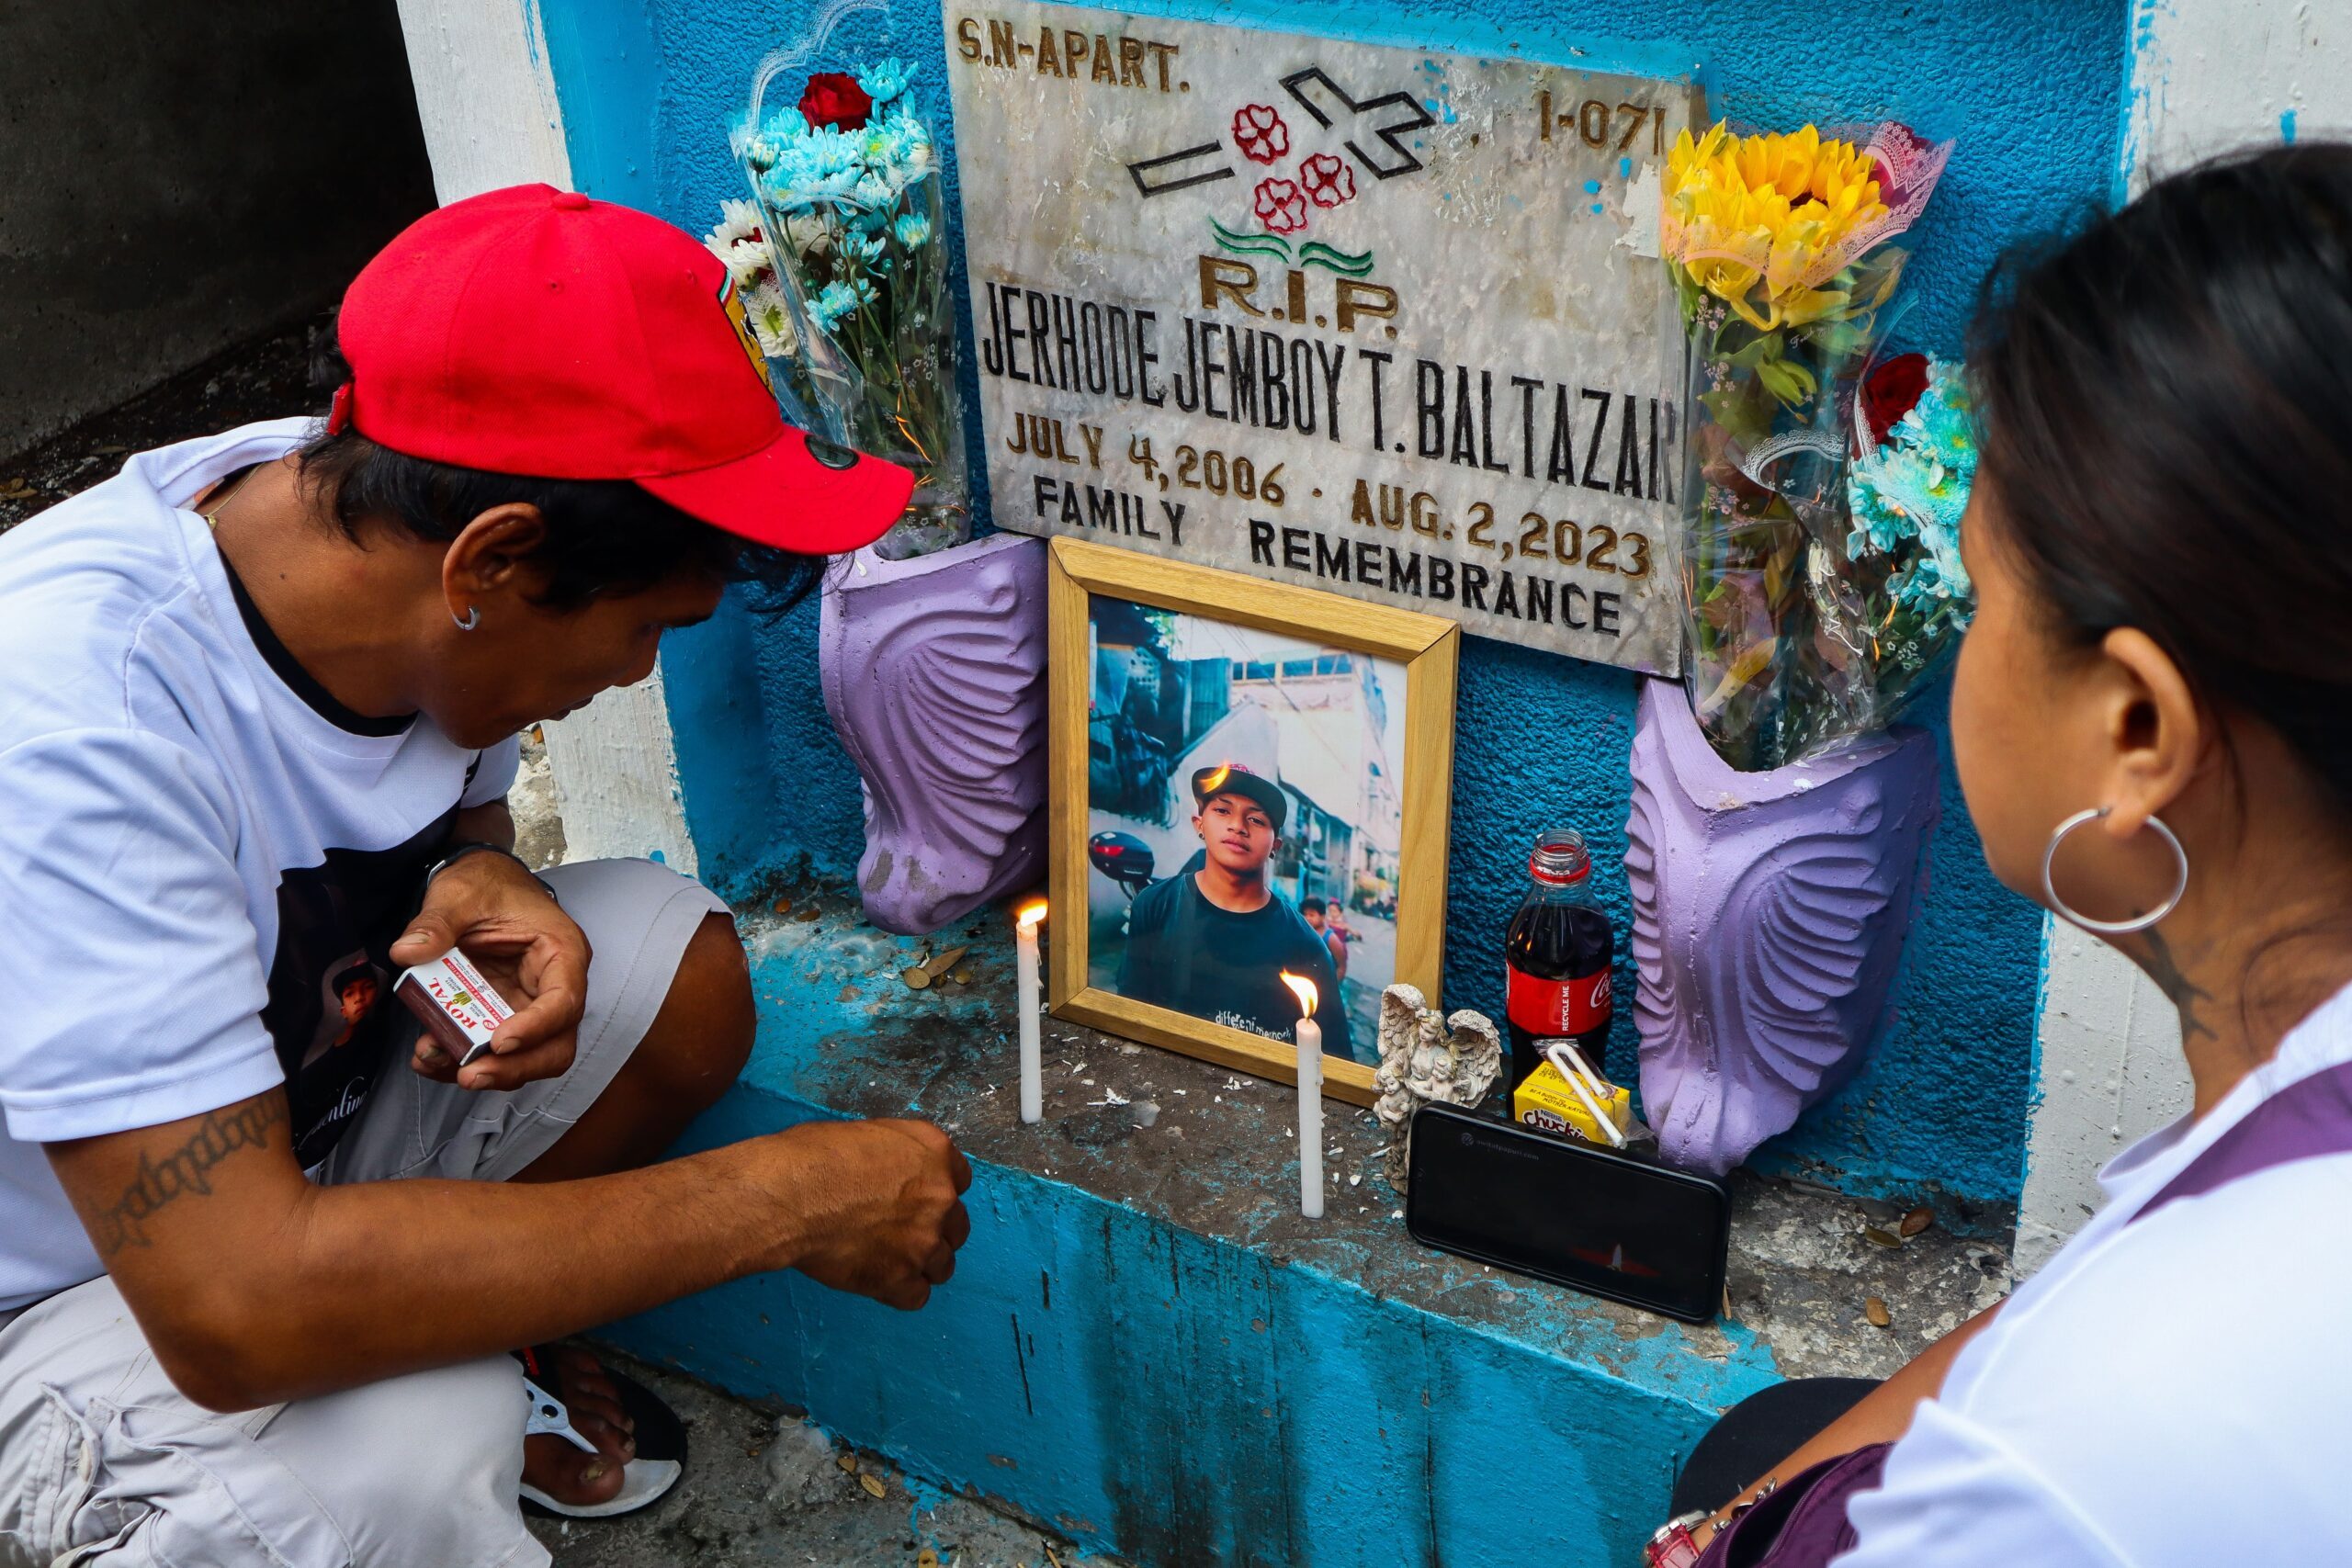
457	1007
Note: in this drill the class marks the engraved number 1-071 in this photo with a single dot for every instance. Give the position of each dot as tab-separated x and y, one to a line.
1593	122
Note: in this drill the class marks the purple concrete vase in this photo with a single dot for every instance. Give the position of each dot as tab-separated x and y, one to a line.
933	671
1769	911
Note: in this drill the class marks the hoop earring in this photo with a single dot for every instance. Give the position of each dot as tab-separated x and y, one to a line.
472	618
2113	928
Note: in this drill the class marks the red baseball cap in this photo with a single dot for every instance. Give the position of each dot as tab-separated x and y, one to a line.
533	330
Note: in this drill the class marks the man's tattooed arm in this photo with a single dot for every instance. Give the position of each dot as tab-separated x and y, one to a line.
186	1169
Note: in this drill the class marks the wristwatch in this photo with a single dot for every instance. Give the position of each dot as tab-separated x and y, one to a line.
1673	1545
459	851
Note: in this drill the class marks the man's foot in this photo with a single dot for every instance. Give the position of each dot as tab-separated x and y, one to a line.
555	1466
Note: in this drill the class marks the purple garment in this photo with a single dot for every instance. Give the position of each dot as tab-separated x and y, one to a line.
2311	1117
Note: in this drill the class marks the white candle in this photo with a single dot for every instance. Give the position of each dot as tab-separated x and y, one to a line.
1310	1098
1033	1080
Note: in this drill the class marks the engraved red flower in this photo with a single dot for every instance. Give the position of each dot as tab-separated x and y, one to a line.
1260	134
1328	182
1281	207
834	99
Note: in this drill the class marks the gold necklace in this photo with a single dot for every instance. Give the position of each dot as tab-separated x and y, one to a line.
236	482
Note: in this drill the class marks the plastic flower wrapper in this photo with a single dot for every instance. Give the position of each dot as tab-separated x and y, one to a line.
846	186
1889	595
1777	247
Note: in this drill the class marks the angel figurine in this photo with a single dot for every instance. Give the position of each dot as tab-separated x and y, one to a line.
1426	1059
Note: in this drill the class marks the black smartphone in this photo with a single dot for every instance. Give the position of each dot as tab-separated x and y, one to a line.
1609	1224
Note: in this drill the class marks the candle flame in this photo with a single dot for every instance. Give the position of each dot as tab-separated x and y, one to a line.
1304	989
1215	781
1029	914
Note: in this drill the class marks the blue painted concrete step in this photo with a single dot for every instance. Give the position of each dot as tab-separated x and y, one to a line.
1146	1346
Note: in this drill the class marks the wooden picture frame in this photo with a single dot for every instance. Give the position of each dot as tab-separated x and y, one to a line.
1426	645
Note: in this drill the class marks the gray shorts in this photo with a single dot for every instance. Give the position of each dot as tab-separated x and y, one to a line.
103	1462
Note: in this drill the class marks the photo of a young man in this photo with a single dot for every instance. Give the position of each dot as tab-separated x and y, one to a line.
1214	941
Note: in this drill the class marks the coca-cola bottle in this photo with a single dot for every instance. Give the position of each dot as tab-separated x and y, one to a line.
1557	950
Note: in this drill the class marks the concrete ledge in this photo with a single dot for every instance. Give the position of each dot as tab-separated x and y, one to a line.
1147	1346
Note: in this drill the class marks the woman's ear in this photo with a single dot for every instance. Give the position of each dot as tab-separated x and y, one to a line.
487	560
2155	728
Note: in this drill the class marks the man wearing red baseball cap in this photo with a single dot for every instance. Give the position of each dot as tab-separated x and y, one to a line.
259	697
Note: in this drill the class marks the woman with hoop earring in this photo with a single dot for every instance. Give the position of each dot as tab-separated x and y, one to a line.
2152	720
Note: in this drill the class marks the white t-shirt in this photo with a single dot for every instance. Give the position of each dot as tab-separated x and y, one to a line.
2166	1394
203	857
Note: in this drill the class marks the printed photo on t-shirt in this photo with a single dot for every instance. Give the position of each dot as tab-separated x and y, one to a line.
330	980
353	988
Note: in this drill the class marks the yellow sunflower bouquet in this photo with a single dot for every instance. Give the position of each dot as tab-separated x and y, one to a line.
1777	246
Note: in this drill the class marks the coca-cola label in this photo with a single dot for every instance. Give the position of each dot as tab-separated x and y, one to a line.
1559	1007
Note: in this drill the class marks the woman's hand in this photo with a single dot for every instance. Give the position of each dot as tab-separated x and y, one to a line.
515	933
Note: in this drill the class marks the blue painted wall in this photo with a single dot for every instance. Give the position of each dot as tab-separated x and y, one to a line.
2031	89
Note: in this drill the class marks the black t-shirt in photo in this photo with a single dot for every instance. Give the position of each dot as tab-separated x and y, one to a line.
1186	954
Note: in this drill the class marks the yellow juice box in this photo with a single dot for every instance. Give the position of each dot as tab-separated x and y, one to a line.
1546	1103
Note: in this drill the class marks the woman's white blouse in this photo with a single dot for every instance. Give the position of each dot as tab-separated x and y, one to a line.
2171	1393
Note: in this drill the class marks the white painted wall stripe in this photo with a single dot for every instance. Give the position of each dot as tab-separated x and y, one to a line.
485	94
2111	1070
2206	76
492	119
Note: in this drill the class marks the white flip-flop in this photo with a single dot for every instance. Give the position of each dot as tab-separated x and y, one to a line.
650	1474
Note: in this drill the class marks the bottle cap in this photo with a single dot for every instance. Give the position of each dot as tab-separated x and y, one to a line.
1559	858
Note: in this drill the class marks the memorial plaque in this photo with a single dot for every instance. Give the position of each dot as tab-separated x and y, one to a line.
1371	320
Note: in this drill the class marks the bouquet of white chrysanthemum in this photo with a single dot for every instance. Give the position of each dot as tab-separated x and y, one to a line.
743	244
848	197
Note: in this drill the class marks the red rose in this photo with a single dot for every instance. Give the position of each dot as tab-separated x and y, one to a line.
1281	207
1888	393
834	99
1260	132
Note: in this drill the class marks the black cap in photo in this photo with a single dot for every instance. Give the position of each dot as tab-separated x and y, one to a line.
1232	778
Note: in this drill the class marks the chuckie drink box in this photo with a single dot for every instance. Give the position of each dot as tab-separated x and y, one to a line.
457	1007
1558	950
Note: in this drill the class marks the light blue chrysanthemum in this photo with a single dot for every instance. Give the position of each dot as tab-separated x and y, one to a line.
880	146
762	148
837	301
885	80
912	230
1906	496
864	249
914	149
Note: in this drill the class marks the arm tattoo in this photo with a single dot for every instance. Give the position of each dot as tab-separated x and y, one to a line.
184	1169
2183	992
